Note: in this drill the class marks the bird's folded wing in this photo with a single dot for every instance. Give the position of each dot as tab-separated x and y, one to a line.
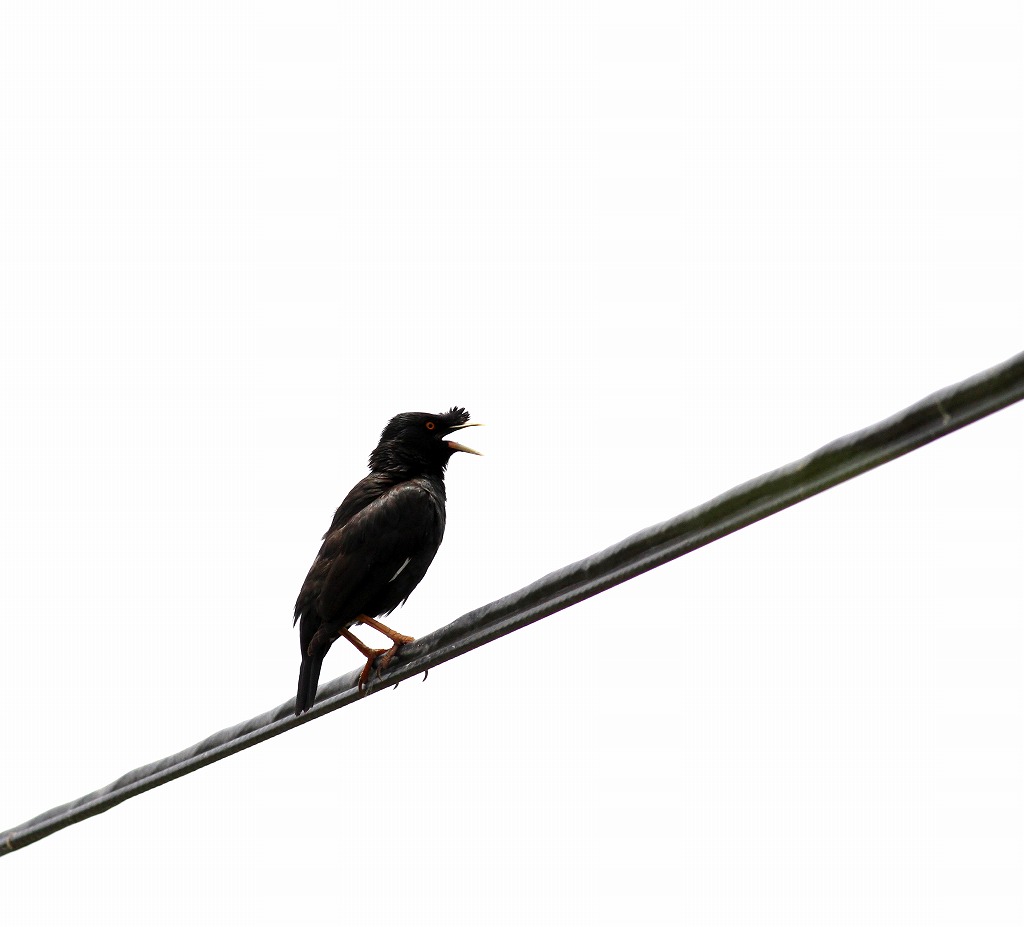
375	545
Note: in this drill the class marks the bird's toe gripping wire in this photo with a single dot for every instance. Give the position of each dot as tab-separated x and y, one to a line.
372	654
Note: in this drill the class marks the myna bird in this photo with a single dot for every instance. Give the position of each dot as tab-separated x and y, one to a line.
383	538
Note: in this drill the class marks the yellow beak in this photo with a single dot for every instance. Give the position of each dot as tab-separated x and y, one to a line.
455	446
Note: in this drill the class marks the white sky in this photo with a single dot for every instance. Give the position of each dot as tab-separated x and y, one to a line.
658	248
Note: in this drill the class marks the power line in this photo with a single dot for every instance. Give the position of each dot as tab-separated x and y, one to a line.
933	417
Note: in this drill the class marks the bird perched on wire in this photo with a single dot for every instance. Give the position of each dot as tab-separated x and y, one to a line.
383	538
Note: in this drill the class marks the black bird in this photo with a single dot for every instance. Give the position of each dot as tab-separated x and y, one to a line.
383	538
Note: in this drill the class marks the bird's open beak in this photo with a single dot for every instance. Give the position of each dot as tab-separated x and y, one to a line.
455	446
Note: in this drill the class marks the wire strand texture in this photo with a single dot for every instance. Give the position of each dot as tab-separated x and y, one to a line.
933	417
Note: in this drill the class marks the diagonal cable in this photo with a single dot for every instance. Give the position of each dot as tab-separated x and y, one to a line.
933	417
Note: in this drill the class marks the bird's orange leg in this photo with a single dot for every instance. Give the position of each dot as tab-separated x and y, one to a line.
368	652
396	641
396	638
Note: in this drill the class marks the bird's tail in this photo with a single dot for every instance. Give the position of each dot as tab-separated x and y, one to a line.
309	677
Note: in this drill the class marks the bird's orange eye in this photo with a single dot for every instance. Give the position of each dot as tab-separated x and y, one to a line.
430	426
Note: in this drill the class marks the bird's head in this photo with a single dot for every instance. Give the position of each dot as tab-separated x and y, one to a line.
417	442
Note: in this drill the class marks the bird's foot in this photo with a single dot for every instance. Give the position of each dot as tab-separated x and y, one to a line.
382	659
364	676
389	654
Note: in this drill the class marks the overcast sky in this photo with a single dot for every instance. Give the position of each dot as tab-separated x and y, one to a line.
659	249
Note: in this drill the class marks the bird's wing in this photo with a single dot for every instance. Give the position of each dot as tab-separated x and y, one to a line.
367	491
372	549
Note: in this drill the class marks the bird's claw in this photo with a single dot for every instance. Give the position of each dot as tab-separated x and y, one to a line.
426	672
364	676
385	657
